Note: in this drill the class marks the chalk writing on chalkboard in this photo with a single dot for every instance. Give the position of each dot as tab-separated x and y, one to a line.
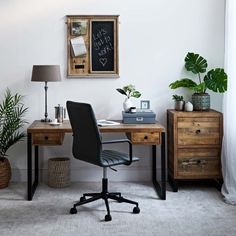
102	53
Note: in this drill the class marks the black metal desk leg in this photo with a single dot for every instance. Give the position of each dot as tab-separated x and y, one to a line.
31	185
36	164
29	167
159	187
163	165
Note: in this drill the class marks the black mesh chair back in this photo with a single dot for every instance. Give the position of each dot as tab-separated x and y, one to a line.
86	137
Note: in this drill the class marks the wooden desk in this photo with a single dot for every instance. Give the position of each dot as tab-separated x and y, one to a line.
43	134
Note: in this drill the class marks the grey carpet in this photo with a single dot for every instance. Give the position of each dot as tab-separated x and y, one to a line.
194	210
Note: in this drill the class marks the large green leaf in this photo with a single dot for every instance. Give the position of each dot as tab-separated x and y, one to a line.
216	80
186	83
195	63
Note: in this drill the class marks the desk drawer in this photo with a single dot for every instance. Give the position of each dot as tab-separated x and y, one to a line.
145	138
47	138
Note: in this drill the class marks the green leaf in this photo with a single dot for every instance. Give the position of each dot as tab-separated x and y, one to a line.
186	83
177	97
216	80
121	91
136	94
195	63
200	88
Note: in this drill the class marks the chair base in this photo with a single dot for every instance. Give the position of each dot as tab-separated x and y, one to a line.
105	195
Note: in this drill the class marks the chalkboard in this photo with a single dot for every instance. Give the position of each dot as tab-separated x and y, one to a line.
103	46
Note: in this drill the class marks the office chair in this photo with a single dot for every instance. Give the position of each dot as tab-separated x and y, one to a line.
88	147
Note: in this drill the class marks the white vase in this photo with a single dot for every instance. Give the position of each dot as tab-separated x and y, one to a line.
188	106
127	104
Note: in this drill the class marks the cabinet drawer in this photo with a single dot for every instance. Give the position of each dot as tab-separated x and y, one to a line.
198	131
197	163
145	138
47	138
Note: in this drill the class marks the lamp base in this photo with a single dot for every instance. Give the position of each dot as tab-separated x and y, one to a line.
46	120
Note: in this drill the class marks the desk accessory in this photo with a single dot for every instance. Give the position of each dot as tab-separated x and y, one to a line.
45	73
60	113
139	117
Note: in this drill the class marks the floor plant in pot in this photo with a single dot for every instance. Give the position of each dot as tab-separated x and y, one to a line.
129	91
214	79
12	113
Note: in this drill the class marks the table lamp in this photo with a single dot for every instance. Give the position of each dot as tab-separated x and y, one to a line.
46	73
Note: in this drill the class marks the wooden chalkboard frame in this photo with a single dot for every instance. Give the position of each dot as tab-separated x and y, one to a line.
81	66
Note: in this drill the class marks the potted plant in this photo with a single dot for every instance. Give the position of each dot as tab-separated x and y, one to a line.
179	102
129	91
11	121
215	80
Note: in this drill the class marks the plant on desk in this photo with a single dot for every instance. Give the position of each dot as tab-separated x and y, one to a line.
12	112
129	91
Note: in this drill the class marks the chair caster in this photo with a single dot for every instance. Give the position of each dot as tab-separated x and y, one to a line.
73	210
82	199
108	218
136	210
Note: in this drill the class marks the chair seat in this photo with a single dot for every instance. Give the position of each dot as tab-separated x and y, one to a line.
112	158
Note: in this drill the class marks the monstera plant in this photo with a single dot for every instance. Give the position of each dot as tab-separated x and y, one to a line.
214	79
12	112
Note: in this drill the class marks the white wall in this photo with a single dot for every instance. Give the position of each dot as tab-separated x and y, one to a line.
155	36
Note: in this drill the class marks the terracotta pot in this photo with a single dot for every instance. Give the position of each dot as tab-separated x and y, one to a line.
5	172
201	101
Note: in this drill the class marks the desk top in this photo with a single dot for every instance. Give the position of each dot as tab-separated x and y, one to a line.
40	127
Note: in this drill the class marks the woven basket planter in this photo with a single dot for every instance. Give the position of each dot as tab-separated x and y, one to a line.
5	172
59	172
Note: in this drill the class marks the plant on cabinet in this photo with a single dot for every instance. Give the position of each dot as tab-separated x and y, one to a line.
215	80
179	102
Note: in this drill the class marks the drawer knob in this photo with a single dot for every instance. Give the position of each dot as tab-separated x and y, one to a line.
46	137
146	137
198	131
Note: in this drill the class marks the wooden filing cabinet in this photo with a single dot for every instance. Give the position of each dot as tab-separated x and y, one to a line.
194	142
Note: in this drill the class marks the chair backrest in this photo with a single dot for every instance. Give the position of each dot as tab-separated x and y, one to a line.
86	137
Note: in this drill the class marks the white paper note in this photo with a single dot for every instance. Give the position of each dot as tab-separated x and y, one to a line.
78	46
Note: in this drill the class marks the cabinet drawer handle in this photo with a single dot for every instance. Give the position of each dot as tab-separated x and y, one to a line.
198	131
46	137
146	137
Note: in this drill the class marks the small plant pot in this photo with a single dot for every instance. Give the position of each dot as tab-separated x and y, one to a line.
5	172
179	105
201	101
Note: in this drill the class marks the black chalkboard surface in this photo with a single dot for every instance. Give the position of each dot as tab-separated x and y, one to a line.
102	46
